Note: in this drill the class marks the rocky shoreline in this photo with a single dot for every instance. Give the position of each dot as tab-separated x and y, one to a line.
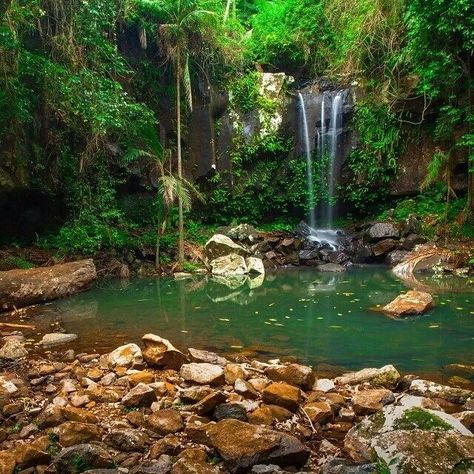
155	409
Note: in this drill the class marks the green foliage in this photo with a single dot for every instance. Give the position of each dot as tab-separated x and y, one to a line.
289	35
373	163
11	262
245	92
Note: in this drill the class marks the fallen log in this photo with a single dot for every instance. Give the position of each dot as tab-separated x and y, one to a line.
20	288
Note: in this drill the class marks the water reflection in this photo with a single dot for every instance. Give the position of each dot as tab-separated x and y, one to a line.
315	317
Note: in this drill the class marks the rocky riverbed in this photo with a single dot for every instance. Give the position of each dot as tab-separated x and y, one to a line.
156	409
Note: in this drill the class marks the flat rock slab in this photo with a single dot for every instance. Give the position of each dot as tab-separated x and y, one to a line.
57	338
410	303
203	373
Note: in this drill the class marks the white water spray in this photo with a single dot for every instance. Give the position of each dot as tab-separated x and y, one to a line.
309	164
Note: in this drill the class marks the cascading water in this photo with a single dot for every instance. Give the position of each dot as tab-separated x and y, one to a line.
309	163
336	124
325	112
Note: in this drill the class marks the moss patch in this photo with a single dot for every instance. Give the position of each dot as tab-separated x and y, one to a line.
417	418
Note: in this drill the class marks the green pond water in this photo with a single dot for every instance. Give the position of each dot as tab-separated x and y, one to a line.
316	318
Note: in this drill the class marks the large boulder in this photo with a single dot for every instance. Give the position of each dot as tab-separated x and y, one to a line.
160	352
430	389
228	265
242	445
243	232
220	245
403	436
380	231
410	303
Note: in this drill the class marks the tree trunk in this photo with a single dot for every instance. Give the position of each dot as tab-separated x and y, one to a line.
19	288
180	164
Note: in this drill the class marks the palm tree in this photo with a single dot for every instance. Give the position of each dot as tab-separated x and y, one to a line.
179	37
170	188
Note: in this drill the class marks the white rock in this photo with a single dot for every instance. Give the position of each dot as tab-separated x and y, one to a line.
57	338
231	264
203	374
220	245
255	265
324	385
128	355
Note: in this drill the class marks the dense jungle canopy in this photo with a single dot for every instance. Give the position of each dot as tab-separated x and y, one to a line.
96	98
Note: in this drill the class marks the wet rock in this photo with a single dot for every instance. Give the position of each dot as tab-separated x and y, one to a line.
13	349
331	268
396	257
255	265
73	432
139	396
90	455
161	353
319	412
220	246
242	445
412	240
266	469
7	462
282	394
366	402
228	265
383	247
206	356
203	373
410	303
129	355
433	390
230	410
56	338
293	374
164	422
309	254
386	376
127	440
380	231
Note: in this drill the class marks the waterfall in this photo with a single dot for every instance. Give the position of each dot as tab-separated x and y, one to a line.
309	165
322	132
336	124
